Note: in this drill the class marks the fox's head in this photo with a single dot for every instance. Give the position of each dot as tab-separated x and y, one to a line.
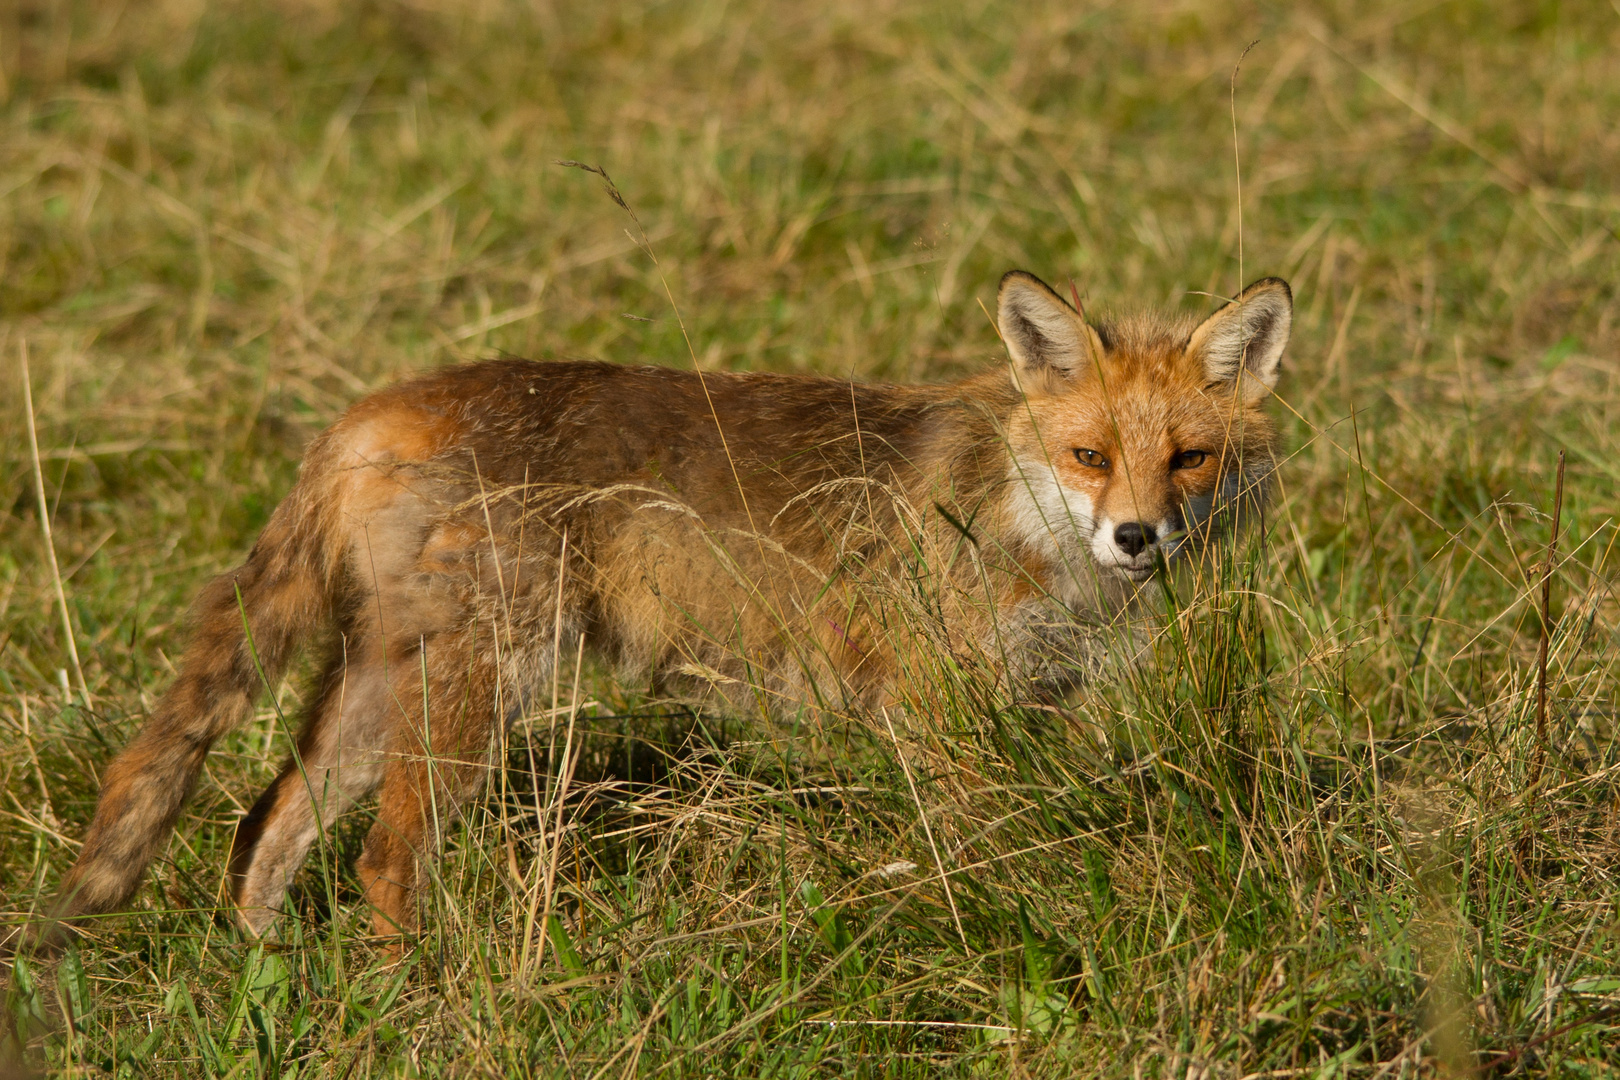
1142	434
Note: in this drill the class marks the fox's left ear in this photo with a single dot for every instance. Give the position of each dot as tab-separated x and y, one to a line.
1243	342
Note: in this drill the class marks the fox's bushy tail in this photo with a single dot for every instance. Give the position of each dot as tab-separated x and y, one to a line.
247	626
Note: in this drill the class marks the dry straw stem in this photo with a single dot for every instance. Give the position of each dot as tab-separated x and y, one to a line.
45	523
1547	570
646	245
922	816
1237	161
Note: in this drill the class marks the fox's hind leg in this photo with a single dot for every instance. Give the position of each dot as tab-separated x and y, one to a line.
339	758
441	758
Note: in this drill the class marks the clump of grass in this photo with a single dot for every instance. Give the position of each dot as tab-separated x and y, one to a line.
1302	838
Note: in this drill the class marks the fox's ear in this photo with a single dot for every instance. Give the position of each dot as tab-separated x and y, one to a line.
1049	342
1243	342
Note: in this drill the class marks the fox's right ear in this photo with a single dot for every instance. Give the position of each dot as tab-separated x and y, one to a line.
1050	343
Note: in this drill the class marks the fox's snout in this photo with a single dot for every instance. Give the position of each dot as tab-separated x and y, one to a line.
1135	548
1132	548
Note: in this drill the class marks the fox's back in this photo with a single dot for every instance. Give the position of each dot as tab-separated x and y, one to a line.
716	440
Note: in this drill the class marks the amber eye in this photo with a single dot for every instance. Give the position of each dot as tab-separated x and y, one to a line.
1188	459
1092	458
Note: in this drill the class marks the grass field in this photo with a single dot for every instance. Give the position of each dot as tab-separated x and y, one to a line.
1316	834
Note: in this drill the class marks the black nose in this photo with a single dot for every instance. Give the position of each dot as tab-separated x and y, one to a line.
1133	537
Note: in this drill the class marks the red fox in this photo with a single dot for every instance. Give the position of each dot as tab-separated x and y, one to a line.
759	534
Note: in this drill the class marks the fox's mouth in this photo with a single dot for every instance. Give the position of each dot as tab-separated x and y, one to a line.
1145	564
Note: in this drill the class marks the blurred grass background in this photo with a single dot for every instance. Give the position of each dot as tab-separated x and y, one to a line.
1303	843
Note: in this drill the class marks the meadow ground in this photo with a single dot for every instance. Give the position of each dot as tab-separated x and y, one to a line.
1316	834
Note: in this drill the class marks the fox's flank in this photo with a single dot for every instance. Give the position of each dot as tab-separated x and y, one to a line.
788	541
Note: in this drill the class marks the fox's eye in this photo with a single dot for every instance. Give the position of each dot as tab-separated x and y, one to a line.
1092	458
1188	459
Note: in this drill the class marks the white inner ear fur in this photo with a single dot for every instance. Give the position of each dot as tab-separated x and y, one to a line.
1246	338
1046	338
